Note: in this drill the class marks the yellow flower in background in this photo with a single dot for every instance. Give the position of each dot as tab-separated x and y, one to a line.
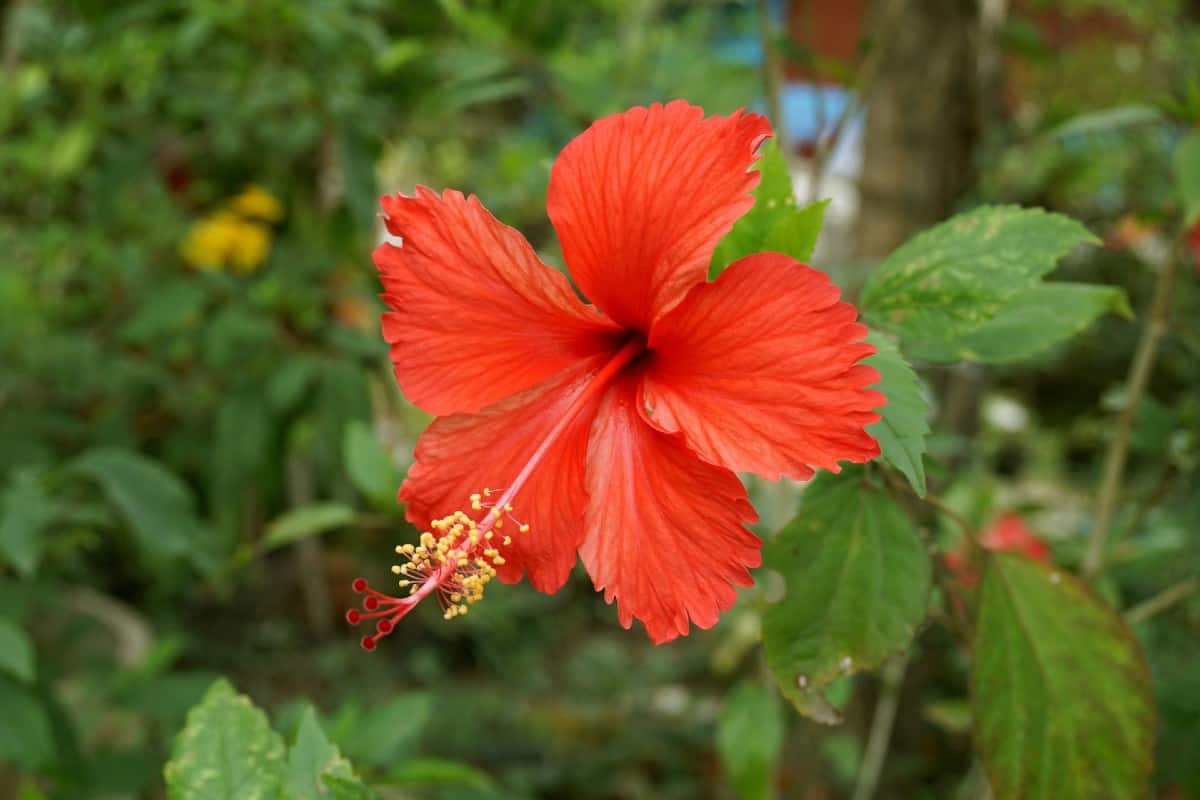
257	203
250	246
236	236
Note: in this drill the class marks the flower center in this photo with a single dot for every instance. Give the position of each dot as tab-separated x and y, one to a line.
458	557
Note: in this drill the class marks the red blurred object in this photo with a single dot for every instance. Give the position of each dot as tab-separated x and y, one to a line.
1007	534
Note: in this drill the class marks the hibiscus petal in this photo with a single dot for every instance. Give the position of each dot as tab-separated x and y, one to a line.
664	530
475	316
461	454
759	371
640	200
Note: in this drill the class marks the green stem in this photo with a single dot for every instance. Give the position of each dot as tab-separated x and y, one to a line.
881	728
1118	449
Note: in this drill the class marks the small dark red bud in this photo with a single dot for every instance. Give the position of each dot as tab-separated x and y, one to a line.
371	603
383	626
353	616
368	643
359	585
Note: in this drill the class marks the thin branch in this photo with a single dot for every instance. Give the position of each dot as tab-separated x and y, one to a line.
772	73
881	728
1118	449
1162	601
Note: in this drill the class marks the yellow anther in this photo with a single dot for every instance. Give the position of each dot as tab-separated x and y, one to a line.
523	529
475	497
498	561
508	507
396	569
487	492
508	539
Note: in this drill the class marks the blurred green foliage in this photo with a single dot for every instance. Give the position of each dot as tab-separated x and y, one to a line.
195	461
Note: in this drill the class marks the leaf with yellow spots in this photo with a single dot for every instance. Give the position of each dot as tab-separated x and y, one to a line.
962	289
226	751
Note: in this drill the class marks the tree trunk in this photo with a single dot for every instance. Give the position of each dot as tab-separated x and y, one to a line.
920	121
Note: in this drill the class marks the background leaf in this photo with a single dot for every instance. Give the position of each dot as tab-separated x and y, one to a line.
749	738
227	751
16	652
157	505
774	223
1187	176
857	586
312	758
300	523
370	468
902	430
25	510
1060	690
440	772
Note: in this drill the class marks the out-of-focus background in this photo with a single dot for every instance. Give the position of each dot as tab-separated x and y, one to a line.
200	439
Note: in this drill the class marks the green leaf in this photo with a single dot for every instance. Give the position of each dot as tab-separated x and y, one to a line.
158	506
383	733
1187	176
16	652
774	223
370	468
950	280
440	771
25	510
226	751
1060	690
301	523
311	759
1109	120
902	430
749	739
1033	322
339	787
857	584
26	736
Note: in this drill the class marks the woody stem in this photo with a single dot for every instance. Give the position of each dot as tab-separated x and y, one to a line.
1118	449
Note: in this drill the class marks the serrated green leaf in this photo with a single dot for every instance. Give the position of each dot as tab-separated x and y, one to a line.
749	739
442	772
957	276
158	506
312	758
857	585
226	751
16	652
301	523
1060	691
1187	176
1031	323
774	223
902	430
368	465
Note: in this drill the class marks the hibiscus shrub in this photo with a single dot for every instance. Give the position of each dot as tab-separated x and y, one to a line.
209	427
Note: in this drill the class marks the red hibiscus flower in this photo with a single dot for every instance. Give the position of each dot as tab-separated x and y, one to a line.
614	429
